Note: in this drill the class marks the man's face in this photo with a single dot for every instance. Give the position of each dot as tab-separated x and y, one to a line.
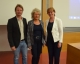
19	11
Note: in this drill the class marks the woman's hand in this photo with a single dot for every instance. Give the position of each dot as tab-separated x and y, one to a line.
59	44
30	47
44	43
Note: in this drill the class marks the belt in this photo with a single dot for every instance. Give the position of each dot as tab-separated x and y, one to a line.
38	37
22	40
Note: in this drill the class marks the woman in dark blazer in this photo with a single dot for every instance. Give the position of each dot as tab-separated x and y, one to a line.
35	35
54	36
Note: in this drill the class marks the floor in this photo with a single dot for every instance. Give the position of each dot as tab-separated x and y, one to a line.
6	55
7	58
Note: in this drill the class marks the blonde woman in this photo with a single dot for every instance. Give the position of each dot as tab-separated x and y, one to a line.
35	35
54	36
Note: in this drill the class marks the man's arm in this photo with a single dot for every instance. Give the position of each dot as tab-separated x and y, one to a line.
9	33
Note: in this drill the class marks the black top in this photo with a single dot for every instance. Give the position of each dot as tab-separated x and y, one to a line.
37	30
49	29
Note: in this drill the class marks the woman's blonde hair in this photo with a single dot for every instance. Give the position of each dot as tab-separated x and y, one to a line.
33	11
50	9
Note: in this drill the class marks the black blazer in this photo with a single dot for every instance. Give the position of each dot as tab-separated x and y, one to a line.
13	31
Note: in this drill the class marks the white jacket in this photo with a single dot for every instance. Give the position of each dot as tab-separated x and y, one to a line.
57	30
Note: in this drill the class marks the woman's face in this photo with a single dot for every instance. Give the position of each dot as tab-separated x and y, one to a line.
36	16
51	14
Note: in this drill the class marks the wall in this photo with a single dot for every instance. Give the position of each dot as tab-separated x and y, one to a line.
63	11
7	9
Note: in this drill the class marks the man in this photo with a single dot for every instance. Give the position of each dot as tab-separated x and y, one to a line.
17	35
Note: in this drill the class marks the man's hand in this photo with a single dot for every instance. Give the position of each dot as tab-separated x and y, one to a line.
13	48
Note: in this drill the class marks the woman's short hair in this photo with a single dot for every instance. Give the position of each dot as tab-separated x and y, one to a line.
50	9
33	11
19	5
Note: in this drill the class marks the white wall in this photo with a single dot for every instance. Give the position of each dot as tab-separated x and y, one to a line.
7	9
62	8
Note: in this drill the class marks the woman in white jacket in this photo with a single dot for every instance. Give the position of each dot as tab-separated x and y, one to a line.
54	36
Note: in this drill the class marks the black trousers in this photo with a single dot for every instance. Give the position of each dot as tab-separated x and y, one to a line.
36	51
53	52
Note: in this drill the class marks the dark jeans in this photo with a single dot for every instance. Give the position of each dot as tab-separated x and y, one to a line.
36	51
53	52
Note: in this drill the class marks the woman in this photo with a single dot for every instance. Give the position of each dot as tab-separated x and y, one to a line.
35	35
54	36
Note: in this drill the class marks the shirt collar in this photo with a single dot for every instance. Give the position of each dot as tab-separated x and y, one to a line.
19	19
